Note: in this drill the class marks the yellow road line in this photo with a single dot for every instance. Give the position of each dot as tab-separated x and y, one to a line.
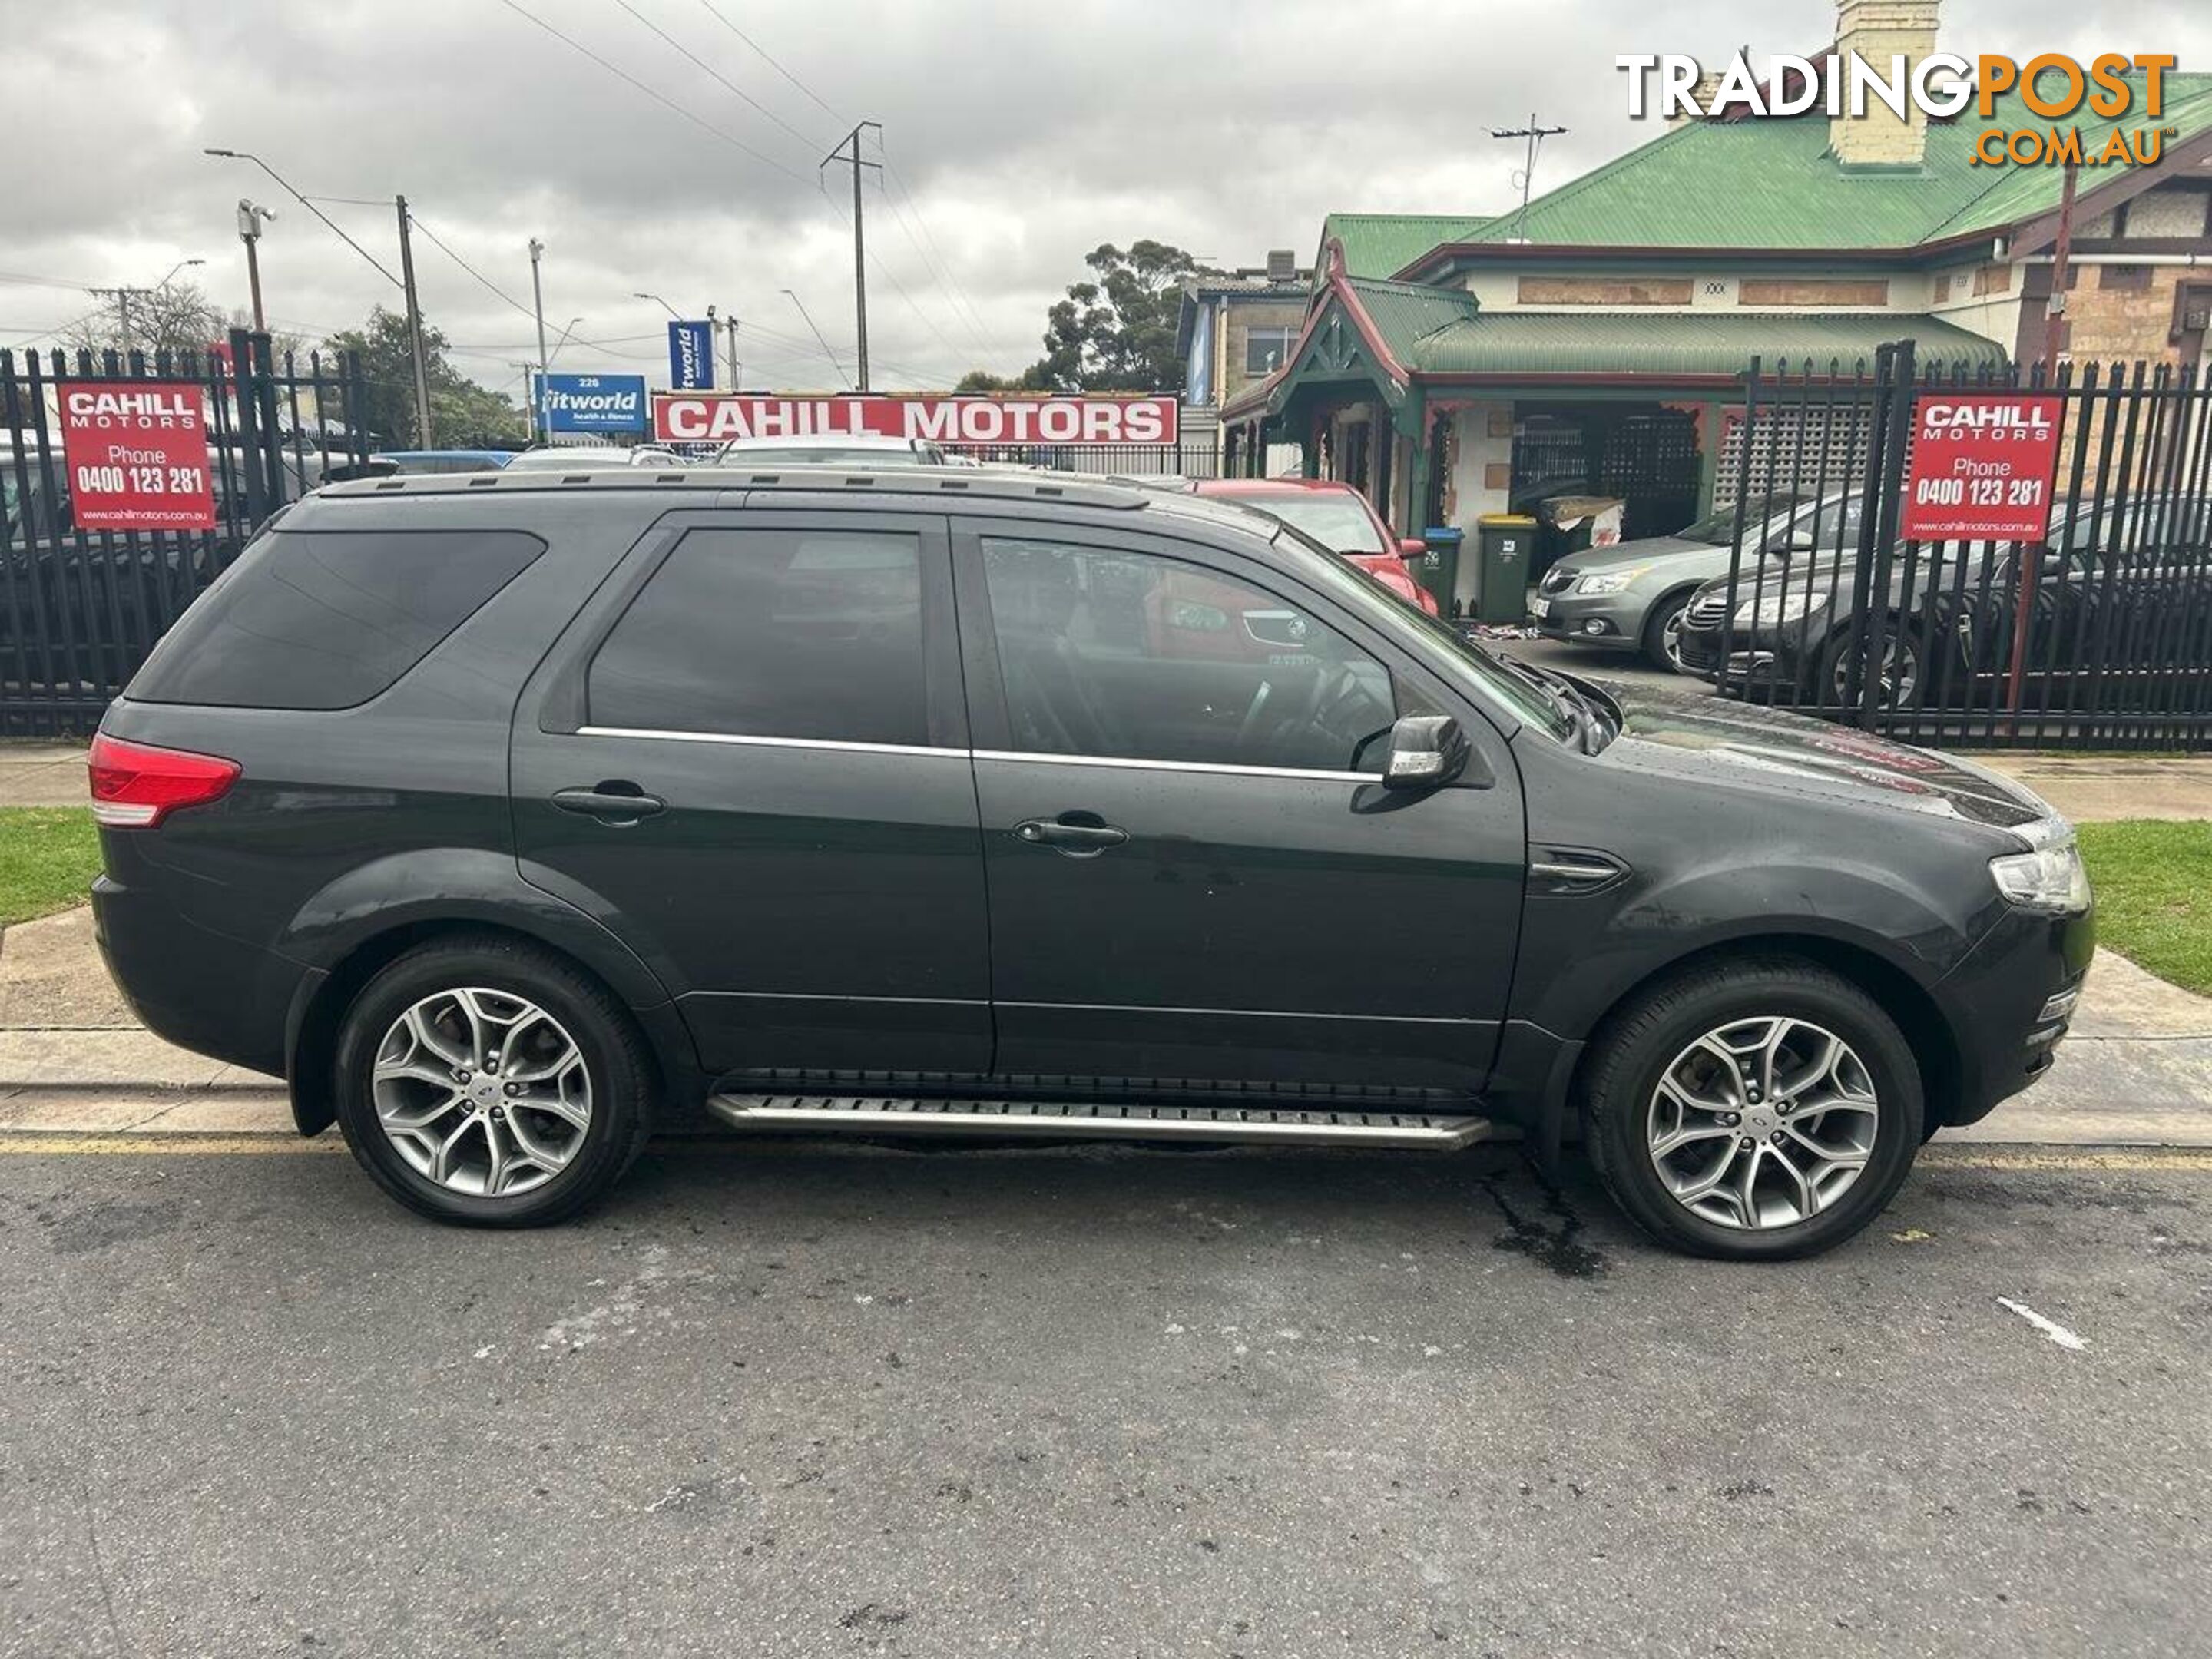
1967	1155
54	1143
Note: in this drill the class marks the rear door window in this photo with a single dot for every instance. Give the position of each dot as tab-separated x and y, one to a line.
797	634
327	619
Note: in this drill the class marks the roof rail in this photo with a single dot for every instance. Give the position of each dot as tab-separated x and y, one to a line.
943	483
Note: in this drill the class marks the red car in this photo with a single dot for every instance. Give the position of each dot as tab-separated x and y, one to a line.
1337	516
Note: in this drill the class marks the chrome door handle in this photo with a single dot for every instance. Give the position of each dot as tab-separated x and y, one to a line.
1074	841
625	804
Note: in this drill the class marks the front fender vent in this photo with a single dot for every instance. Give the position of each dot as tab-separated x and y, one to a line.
1572	870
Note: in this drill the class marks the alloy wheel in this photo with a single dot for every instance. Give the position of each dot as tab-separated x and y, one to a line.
481	1092
1670	638
1896	680
1762	1123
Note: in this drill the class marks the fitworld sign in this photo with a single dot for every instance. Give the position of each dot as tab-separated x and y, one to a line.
593	403
722	417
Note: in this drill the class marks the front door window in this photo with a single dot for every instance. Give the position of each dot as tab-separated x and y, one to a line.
1127	656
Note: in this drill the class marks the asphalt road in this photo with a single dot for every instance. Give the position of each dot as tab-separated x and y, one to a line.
807	1401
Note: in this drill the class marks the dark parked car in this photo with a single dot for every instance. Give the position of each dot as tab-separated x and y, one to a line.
2118	584
502	814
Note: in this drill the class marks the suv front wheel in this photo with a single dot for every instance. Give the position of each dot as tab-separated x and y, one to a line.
488	1082
1754	1109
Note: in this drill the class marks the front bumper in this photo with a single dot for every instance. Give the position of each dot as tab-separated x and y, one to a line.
1613	620
1758	663
2010	1004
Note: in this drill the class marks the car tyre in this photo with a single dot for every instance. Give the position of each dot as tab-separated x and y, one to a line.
1904	656
1628	1116
1662	634
527	1151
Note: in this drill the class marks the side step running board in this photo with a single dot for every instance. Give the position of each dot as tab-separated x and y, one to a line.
876	1115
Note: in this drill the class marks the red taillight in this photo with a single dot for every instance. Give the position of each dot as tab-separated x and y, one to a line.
136	785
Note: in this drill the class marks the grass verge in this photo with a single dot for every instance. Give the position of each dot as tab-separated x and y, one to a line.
48	857
2154	883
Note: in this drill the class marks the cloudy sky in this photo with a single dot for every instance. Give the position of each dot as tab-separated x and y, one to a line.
1016	137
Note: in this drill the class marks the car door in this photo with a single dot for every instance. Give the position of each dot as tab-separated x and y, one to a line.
748	758
1194	874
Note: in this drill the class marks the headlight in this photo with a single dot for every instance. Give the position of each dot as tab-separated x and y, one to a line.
1778	608
1610	582
2050	880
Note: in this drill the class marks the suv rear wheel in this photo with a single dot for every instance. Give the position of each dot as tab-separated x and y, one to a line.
1754	1110
488	1082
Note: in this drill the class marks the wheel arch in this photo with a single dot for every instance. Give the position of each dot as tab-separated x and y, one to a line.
1918	1016
318	1010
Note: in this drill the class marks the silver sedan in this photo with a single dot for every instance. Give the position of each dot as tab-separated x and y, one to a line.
1630	597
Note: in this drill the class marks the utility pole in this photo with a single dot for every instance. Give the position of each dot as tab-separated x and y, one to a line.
529	388
859	240
538	300
736	368
423	440
1535	134
251	218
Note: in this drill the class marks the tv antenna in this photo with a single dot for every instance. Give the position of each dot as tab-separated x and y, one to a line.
1535	133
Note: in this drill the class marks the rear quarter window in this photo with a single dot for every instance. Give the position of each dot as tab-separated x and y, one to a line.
327	619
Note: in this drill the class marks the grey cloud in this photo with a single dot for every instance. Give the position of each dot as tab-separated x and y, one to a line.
1026	135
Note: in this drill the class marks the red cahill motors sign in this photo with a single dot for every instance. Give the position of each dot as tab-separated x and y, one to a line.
1982	466
722	417
137	455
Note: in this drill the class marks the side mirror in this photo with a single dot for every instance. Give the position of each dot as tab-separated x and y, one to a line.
1413	547
1426	752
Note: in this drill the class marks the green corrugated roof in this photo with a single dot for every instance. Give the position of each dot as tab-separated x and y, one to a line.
1382	244
1681	343
1772	183
1403	313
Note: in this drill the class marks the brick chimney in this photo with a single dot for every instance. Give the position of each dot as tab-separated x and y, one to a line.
1879	30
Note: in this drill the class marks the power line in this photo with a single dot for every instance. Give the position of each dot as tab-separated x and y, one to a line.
42	282
769	61
730	85
941	267
293	190
662	99
437	242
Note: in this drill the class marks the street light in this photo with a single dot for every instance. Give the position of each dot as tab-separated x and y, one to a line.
662	303
123	296
405	285
286	186
251	217
172	276
538	300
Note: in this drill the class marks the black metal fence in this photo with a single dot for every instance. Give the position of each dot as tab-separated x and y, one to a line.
2098	636
80	609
